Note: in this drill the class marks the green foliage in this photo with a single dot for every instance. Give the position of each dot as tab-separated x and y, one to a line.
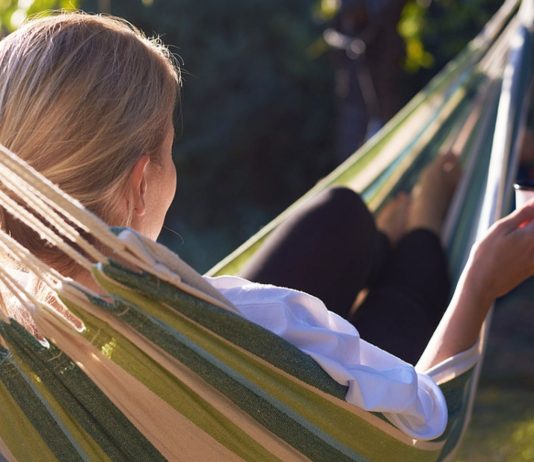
450	24
411	29
327	9
14	12
435	31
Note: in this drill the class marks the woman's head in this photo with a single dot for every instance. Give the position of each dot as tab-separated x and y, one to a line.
84	99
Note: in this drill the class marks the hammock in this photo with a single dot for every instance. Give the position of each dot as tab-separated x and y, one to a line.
161	367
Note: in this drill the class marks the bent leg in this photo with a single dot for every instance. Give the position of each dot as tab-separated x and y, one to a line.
330	248
404	308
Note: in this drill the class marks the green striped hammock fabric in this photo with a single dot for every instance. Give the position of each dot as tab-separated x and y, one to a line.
162	368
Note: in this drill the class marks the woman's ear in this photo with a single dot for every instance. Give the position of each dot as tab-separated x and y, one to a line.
138	185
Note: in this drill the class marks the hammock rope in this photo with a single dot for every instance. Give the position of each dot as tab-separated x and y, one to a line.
160	349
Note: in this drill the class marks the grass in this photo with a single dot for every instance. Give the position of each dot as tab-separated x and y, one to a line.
502	426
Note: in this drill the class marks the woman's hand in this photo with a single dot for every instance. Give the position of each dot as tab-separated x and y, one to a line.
499	262
504	257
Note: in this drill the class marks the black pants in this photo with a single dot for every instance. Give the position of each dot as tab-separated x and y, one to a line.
332	249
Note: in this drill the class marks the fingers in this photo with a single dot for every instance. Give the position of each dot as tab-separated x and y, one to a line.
521	218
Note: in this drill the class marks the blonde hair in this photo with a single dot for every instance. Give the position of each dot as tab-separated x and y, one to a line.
82	97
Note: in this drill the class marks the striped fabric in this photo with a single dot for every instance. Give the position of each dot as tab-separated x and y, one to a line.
214	386
161	371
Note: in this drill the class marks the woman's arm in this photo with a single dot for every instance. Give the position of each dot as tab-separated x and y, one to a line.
499	262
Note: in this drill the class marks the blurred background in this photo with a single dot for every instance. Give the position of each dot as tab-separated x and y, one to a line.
275	95
268	106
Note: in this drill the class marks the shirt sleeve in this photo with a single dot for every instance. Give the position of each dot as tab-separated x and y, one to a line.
377	381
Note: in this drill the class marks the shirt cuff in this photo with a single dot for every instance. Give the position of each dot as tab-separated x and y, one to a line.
455	365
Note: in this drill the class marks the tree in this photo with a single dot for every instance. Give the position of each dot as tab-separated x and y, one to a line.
14	12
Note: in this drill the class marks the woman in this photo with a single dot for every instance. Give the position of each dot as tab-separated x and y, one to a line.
88	101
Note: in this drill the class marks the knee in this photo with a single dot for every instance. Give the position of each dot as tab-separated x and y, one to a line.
342	196
345	204
346	200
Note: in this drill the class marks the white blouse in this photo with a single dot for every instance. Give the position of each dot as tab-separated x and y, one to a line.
376	380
